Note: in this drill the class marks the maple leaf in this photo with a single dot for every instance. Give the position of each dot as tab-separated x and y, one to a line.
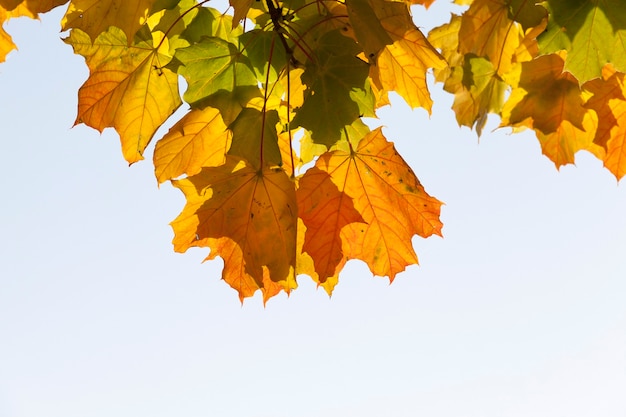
337	91
488	31
401	52
6	42
199	139
549	101
592	31
246	216
483	93
20	8
392	204
477	87
128	87
213	65
255	138
310	71
96	16
241	8
221	25
325	210
609	102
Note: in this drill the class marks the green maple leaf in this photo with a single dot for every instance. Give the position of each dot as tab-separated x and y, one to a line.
213	65
592	31
338	90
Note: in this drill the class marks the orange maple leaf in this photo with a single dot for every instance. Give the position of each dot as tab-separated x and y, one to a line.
609	102
392	204
247	216
325	210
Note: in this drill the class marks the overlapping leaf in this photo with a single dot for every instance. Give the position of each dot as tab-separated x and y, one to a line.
609	103
592	31
199	139
309	71
246	216
128	87
338	91
96	16
400	50
488	31
390	206
550	101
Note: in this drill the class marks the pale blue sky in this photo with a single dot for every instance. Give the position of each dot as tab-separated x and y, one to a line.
518	311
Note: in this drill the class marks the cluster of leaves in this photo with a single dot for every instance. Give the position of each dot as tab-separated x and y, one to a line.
273	73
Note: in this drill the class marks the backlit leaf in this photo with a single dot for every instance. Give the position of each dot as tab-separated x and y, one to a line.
592	31
255	138
213	65
20	8
128	88
241	8
199	139
96	16
401	66
325	210
488	31
549	101
388	196
246	216
609	103
338	93
483	93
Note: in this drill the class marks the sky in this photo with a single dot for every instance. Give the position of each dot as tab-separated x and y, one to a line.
517	311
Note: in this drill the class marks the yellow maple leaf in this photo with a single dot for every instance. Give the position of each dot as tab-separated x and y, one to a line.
6	43
488	31
392	204
96	16
241	8
550	101
199	139
128	87
402	64
20	8
247	216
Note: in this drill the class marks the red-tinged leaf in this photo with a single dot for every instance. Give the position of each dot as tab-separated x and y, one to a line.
199	139
246	216
390	200
325	211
